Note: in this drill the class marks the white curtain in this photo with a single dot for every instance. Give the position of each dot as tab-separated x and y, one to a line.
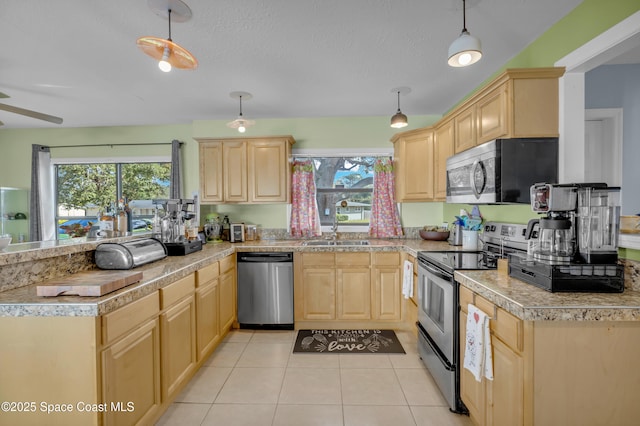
42	206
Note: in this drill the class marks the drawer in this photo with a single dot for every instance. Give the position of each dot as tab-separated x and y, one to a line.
353	259
387	259
318	259
227	263
176	291
466	297
115	324
508	328
208	273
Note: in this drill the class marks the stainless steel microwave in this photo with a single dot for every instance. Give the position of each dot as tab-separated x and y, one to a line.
501	171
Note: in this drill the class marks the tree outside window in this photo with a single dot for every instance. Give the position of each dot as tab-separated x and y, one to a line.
347	179
84	190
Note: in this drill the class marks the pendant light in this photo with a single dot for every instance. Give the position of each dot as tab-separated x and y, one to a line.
466	49
168	54
399	120
241	123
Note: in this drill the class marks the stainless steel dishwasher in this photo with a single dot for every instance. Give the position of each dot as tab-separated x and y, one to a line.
265	290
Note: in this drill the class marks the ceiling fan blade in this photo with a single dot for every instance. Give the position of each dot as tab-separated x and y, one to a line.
32	114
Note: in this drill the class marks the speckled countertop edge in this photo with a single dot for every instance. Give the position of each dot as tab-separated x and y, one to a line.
523	300
23	301
531	303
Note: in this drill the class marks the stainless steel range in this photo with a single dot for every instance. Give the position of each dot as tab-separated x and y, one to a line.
438	302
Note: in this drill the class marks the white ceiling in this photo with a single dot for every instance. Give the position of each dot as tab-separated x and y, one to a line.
306	58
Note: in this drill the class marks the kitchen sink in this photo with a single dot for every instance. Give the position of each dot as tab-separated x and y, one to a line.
336	243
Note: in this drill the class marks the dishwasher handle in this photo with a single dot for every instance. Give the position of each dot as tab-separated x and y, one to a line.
265	257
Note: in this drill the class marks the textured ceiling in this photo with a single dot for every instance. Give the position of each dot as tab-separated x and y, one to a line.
299	58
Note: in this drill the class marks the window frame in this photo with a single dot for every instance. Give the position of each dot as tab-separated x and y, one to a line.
339	152
117	161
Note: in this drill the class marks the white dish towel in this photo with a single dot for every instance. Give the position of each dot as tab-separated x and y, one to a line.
407	279
477	355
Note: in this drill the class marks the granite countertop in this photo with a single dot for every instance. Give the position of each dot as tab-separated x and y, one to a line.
521	299
531	303
23	301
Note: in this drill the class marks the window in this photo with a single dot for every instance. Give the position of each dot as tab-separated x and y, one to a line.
83	190
344	188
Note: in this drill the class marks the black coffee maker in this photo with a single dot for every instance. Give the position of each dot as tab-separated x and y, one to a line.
576	247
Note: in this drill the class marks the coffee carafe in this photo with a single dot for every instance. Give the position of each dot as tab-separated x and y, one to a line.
598	223
556	242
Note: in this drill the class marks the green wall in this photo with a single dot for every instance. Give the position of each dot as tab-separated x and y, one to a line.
586	21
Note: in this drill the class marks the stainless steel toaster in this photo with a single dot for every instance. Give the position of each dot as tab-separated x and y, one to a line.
129	254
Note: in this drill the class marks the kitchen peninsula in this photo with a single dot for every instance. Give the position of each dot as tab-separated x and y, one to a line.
131	345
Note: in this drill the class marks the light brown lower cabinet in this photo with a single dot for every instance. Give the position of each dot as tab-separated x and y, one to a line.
131	377
178	348
553	372
347	288
207	323
122	368
227	293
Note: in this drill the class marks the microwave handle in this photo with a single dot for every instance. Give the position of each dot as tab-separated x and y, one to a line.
478	165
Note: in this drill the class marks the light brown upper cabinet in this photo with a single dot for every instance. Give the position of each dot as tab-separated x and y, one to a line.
465	129
518	103
413	164
443	149
245	170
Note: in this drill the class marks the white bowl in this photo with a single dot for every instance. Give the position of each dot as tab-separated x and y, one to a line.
4	241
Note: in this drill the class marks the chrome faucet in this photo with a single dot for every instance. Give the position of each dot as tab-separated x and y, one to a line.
334	227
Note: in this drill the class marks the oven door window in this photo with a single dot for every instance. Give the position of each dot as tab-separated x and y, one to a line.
436	312
435	303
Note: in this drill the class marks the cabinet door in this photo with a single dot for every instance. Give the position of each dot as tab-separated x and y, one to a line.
492	115
465	129
227	305
414	167
387	294
443	147
505	392
211	172
319	293
472	392
353	300
131	374
235	171
268	171
207	325
178	337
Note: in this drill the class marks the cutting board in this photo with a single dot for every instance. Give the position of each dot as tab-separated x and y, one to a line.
90	283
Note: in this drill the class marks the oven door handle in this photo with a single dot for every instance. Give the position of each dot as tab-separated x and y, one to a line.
438	273
436	350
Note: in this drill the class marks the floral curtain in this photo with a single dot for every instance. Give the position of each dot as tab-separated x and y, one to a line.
305	219
385	219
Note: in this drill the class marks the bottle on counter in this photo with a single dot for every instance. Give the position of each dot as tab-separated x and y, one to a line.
226	228
127	210
121	218
106	223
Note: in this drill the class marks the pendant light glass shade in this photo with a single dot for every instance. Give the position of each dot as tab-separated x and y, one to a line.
399	120
168	54
241	123
466	49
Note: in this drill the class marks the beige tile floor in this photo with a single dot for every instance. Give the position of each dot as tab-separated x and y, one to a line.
254	379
